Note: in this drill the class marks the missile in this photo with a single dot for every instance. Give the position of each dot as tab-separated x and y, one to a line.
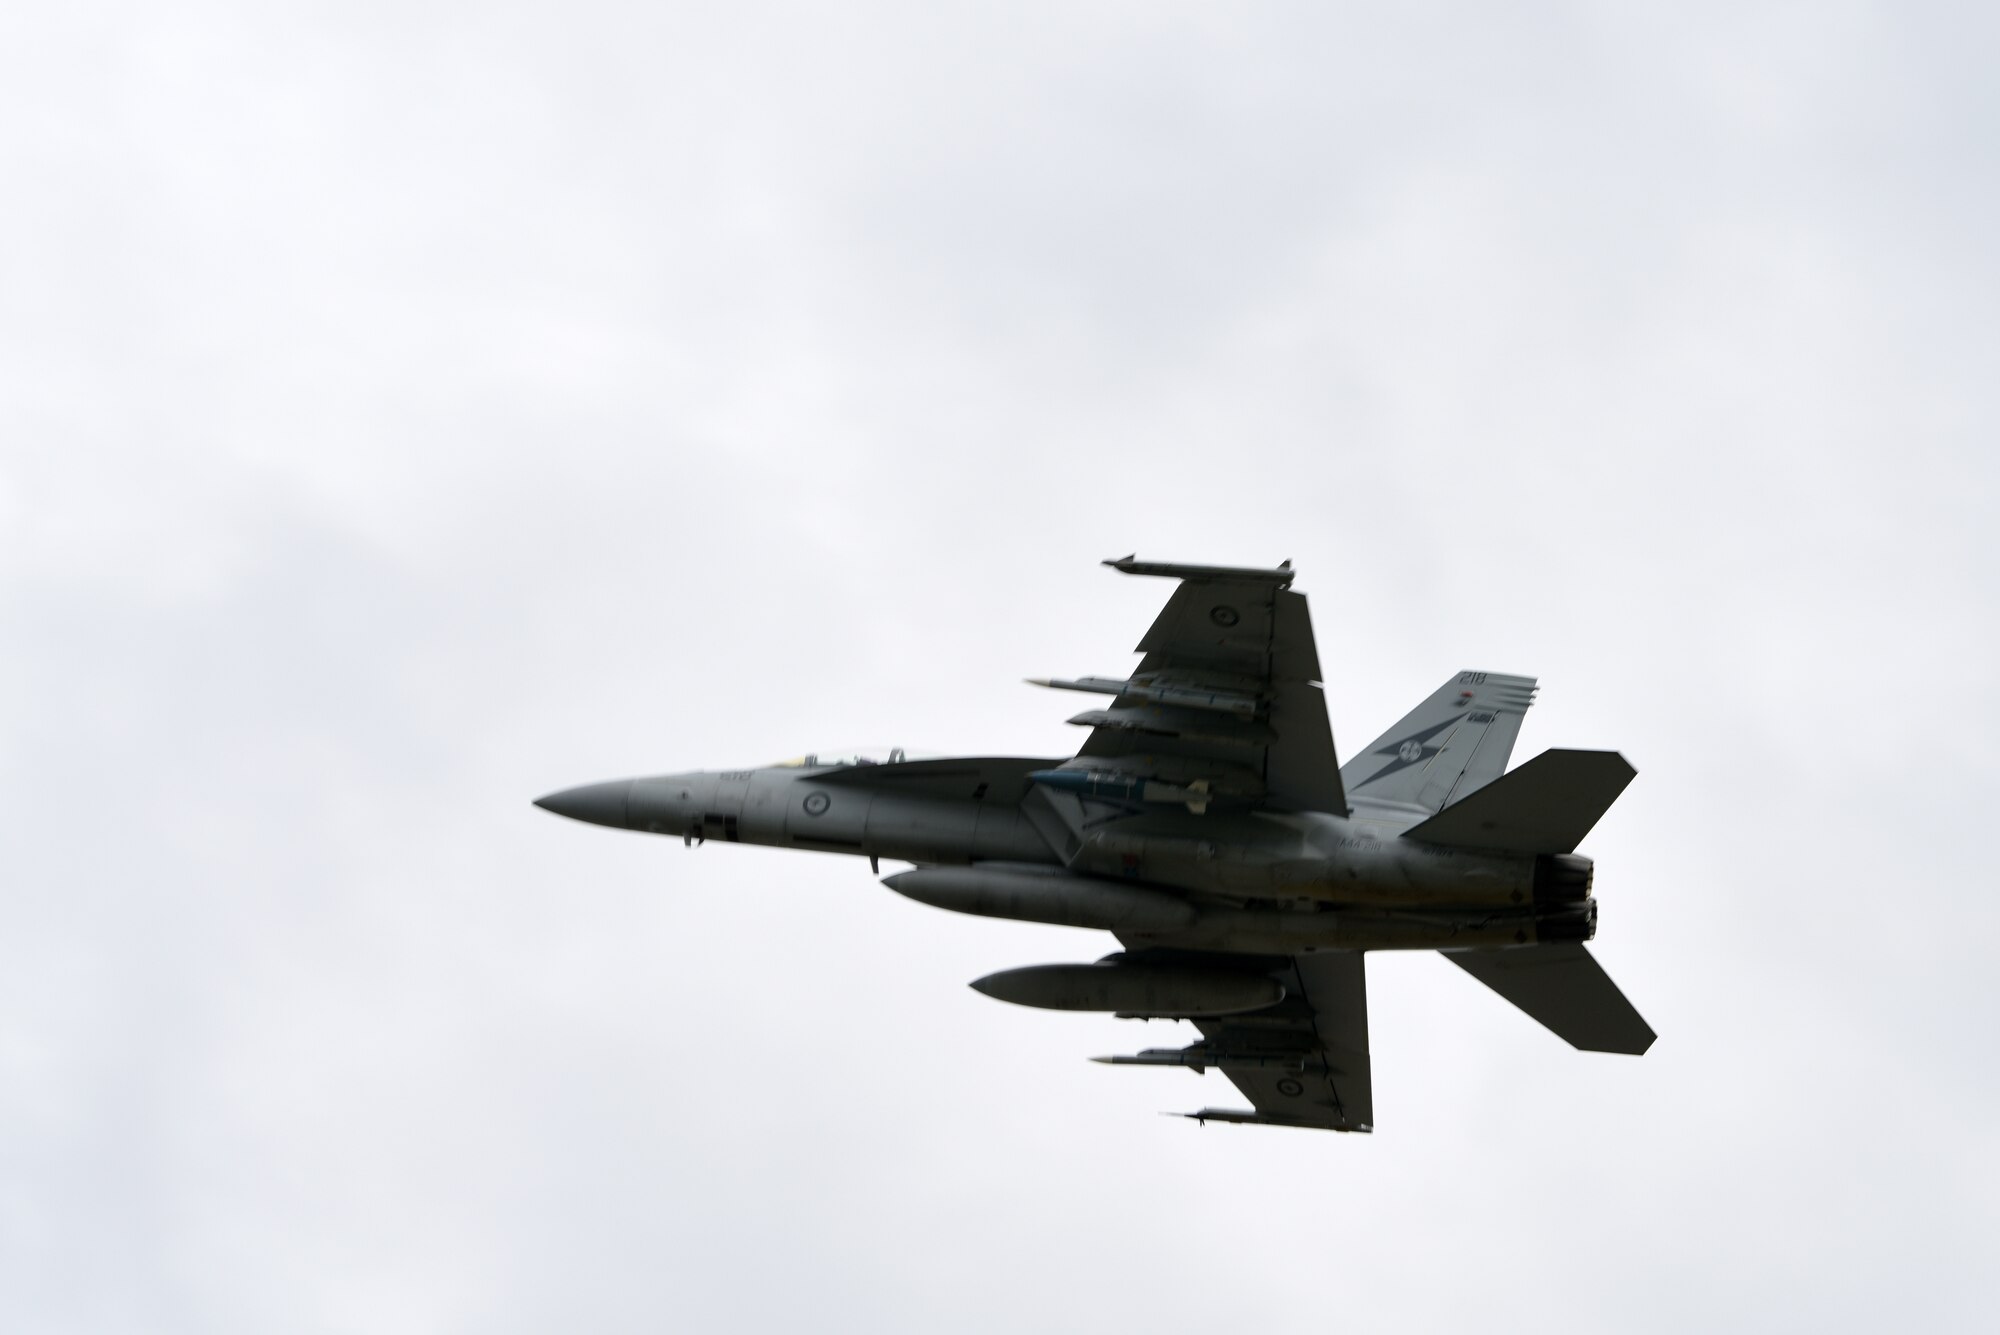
1034	893
1094	685
1155	692
1245	1117
1116	787
1148	990
1151	722
1198	1057
1132	565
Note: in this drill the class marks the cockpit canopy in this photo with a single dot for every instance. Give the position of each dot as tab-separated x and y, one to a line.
859	755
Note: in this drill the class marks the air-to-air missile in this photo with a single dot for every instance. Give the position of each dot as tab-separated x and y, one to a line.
1200	1057
1207	824
1156	691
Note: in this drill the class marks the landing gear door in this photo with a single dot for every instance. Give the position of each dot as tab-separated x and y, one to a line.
723	810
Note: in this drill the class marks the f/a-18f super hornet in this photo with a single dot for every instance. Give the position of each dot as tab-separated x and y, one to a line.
1207	824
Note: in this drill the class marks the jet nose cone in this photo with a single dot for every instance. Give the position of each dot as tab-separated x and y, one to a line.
598	803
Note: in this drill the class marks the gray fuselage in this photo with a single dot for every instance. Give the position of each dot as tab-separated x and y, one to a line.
1261	881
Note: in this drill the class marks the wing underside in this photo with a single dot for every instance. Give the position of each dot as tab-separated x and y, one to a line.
1303	1062
1227	699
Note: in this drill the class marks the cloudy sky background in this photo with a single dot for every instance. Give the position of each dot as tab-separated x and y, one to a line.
406	410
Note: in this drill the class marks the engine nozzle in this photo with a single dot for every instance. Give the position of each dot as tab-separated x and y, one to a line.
1561	878
1570	922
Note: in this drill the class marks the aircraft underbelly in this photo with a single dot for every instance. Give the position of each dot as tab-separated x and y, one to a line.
921	829
1356	871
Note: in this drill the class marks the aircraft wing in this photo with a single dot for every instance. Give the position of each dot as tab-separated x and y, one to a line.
1227	697
1306	1059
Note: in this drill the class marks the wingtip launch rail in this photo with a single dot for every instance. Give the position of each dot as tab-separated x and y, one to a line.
1281	574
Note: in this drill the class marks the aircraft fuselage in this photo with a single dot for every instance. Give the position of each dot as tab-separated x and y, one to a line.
1259	881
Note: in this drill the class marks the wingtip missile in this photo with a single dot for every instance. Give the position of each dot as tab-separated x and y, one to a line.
1131	565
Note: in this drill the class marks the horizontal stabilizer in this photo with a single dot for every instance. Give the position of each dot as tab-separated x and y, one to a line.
1566	990
1546	806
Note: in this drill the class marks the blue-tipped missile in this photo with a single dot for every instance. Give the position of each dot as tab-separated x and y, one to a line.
1115	787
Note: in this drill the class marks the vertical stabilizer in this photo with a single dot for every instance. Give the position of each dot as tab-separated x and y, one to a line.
1455	742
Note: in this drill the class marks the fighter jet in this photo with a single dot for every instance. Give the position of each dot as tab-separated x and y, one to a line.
1207	824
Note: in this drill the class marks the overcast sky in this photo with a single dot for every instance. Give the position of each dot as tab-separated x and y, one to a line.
409	409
